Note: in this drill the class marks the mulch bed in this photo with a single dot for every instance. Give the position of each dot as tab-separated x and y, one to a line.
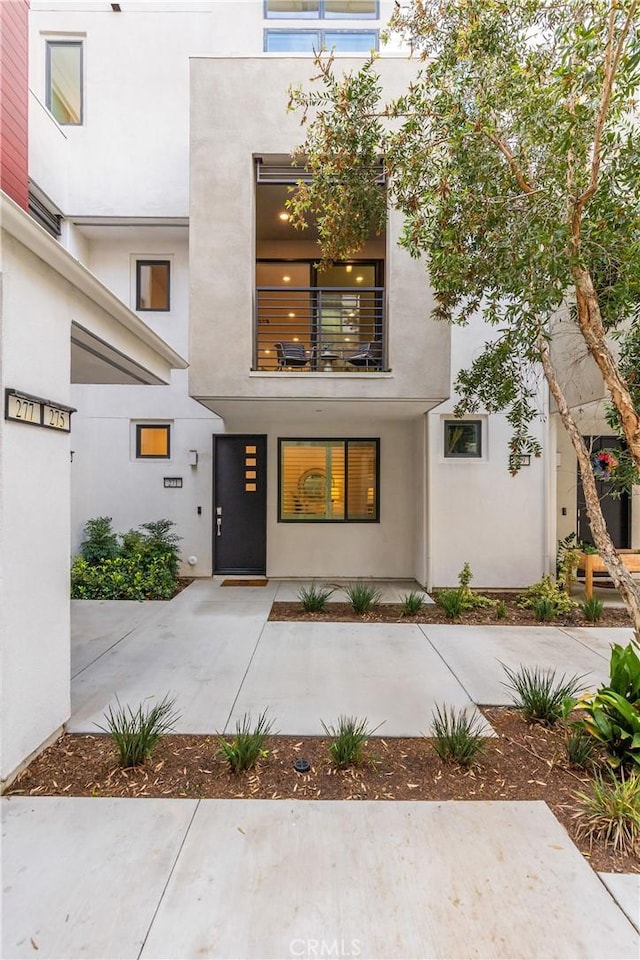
433	613
525	762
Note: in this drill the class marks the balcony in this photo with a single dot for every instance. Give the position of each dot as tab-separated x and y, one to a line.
320	330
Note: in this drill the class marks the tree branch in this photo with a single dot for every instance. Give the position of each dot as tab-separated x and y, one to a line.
524	184
612	59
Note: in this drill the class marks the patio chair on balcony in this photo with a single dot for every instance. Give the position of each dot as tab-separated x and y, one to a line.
291	355
368	356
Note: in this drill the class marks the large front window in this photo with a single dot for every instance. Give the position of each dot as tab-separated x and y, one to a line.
334	480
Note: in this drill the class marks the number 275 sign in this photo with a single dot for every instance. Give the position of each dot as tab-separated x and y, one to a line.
24	408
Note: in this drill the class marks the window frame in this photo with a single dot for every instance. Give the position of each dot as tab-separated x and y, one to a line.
324	440
452	422
48	91
320	33
153	426
147	262
320	14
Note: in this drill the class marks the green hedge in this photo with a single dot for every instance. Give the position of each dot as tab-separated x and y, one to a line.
134	577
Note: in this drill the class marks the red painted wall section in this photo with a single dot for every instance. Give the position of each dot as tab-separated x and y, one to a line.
14	99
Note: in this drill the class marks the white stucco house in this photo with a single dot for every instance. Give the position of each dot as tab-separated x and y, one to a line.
309	429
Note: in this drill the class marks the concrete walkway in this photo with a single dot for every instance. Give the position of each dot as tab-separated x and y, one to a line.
101	878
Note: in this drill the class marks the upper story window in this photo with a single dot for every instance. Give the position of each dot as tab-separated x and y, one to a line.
153	281
64	81
315	9
312	41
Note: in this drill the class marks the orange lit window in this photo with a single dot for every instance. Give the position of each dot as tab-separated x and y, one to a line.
153	441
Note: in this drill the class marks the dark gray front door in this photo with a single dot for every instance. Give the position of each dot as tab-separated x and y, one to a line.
616	510
239	503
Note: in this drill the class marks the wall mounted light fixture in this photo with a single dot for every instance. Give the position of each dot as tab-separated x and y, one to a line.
193	458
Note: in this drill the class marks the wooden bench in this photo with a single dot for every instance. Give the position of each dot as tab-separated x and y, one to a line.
593	563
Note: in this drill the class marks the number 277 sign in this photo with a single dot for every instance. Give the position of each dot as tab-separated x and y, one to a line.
24	408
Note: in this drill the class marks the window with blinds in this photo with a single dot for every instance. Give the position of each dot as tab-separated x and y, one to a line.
334	480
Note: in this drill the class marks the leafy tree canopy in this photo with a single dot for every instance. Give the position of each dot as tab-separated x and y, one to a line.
514	156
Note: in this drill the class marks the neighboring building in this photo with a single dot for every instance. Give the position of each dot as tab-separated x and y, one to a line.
58	325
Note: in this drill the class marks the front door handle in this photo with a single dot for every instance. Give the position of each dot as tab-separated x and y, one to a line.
219	525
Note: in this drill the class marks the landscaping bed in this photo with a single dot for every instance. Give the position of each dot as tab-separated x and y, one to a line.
433	613
524	762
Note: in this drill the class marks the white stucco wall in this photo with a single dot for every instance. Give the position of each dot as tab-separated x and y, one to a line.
228	128
385	549
34	503
478	512
44	295
109	481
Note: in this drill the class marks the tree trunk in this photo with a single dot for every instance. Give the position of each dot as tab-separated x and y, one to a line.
624	582
592	329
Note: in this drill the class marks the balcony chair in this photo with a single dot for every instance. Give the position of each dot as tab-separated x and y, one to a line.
369	355
291	355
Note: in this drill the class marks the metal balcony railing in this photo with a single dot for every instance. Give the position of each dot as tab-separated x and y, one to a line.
321	329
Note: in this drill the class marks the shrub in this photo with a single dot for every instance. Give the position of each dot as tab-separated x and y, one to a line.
592	609
470	599
611	812
451	601
412	603
580	748
313	598
133	543
362	596
549	590
123	578
538	694
137	732
612	715
161	541
247	746
350	737
544	609
145	567
501	610
458	736
100	542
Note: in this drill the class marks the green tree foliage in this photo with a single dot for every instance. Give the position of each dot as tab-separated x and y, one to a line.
514	157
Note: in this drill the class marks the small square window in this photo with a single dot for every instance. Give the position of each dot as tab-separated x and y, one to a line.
153	441
64	81
463	438
152	285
